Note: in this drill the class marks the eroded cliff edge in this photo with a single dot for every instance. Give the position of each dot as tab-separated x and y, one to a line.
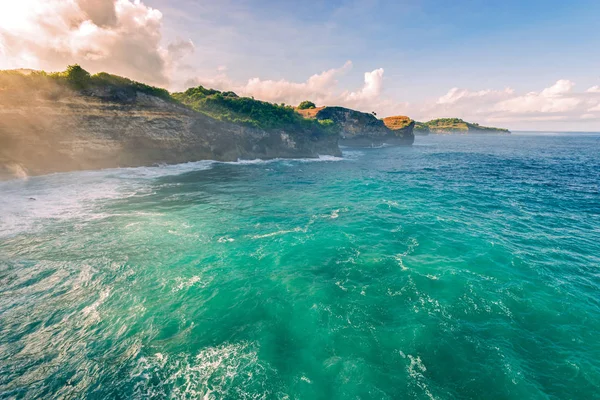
71	120
359	129
54	129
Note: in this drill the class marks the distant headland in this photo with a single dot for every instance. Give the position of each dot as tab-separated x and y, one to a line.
441	126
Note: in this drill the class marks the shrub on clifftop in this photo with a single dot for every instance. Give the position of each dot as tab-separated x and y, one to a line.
305	105
227	106
77	76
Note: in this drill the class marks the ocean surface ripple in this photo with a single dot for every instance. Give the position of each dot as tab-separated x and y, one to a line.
464	267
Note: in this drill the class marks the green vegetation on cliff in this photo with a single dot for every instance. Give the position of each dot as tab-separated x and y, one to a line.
440	125
223	106
227	106
305	105
421	128
455	125
76	78
397	122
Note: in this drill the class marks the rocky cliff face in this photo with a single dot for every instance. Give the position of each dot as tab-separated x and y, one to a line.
360	129
66	131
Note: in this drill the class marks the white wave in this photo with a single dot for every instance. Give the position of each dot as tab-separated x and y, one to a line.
286	231
208	375
340	284
27	202
416	370
162	170
250	162
90	313
24	204
283	232
320	158
182	283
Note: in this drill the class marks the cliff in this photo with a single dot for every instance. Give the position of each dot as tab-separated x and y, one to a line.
49	124
358	129
72	120
397	122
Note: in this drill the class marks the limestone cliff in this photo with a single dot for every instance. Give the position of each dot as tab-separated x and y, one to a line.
401	123
58	129
363	129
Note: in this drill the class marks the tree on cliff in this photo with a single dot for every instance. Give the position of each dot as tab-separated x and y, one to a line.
77	76
306	105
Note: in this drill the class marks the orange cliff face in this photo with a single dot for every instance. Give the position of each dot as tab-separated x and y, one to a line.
398	122
310	113
361	129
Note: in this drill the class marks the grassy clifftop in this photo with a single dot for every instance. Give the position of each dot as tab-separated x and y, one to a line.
454	125
223	106
74	121
74	78
441	125
397	122
228	106
306	119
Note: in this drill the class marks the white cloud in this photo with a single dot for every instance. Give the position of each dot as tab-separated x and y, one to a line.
371	89
594	89
554	99
595	108
455	95
557	102
118	36
318	88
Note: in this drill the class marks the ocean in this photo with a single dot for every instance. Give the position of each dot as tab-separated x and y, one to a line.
463	267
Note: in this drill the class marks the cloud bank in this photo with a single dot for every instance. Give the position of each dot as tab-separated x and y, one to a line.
119	36
557	102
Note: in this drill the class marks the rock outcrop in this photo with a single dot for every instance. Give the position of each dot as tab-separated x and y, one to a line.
64	130
360	129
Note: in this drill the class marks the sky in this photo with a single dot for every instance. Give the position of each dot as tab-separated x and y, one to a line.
523	65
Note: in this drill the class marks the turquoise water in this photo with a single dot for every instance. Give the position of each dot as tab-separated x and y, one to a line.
463	267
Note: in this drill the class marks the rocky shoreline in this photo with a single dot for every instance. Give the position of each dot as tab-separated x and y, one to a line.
84	132
48	127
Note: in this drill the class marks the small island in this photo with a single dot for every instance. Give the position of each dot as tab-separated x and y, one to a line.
440	126
452	126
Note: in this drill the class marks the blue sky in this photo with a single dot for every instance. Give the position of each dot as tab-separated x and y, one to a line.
425	47
521	64
421	44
